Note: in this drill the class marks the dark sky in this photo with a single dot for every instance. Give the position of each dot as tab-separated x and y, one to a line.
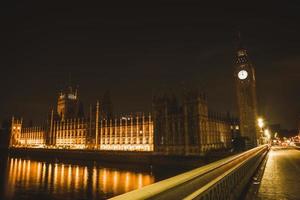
135	48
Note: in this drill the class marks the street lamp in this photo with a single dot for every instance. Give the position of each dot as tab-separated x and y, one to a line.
260	123
267	134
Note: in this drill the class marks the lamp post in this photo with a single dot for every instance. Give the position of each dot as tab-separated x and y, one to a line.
267	135
260	123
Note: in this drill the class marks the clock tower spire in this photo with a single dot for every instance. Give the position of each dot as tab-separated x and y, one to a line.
245	82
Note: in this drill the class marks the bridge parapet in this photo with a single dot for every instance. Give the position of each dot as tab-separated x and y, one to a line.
223	179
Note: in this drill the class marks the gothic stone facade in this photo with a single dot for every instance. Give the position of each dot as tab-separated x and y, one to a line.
186	129
67	127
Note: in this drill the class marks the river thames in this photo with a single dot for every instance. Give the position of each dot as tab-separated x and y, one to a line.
24	178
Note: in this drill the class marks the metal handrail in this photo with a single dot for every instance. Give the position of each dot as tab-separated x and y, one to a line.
197	194
153	190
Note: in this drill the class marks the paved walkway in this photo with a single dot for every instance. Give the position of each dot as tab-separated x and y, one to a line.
281	178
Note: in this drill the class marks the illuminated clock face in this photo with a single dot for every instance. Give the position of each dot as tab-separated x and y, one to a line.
71	96
243	74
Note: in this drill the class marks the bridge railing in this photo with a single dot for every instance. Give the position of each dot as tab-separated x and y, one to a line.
297	147
223	179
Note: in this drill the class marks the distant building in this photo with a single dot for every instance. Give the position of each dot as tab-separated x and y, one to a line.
176	129
275	128
281	132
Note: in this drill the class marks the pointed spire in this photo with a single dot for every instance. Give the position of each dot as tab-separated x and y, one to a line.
239	41
70	79
242	55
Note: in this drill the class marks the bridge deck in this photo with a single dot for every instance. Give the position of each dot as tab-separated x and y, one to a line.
281	178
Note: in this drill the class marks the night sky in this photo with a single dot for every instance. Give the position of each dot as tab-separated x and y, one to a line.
134	49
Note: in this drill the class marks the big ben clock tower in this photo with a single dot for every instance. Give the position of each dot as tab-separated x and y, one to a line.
244	75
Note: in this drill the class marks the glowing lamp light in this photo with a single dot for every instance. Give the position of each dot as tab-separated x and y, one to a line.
260	122
267	134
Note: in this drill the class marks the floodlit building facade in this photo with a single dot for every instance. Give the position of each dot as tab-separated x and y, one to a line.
172	128
68	128
25	137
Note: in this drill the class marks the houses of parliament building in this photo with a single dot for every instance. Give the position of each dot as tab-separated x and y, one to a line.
174	127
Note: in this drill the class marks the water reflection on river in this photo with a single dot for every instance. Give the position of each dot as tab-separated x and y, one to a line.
30	179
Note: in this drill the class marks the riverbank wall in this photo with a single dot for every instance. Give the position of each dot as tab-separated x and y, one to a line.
138	158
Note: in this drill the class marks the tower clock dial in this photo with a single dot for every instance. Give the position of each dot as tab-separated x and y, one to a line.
243	74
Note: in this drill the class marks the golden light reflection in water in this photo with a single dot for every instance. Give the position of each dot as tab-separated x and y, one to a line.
70	180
